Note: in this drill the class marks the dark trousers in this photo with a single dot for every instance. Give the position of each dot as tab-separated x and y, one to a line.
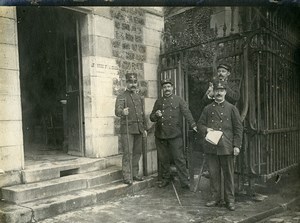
133	152
172	147
215	165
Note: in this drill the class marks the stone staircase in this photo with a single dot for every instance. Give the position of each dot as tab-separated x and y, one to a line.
53	188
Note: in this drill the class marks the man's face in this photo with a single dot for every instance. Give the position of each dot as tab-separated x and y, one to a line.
167	89
219	94
131	85
223	73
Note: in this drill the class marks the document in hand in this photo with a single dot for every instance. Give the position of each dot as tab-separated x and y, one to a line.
213	137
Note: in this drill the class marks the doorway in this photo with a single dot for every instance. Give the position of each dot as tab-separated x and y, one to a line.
51	81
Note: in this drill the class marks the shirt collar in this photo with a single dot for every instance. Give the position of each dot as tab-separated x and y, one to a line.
220	103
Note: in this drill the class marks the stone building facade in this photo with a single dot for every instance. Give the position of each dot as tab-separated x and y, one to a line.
112	41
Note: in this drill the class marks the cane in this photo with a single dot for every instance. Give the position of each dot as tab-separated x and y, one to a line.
200	174
127	136
176	193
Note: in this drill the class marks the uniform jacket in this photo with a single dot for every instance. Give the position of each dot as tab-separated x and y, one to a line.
173	109
136	118
226	118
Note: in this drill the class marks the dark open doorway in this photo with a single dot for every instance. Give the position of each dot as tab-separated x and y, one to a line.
50	76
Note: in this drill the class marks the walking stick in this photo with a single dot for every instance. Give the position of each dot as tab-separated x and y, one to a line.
176	193
127	136
200	174
130	153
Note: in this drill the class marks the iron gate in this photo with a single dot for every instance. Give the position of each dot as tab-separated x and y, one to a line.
264	65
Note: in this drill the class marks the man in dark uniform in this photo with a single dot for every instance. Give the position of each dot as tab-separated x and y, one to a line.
168	113
222	116
233	91
129	106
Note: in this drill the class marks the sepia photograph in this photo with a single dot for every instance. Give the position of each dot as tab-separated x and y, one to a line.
149	111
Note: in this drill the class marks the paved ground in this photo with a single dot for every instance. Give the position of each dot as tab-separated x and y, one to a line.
161	205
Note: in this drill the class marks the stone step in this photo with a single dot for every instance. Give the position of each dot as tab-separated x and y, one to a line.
29	192
53	170
50	207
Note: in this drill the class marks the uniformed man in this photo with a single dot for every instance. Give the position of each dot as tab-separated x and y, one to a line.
168	113
223	116
233	91
129	106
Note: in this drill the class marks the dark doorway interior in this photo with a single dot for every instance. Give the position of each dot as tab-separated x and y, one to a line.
45	68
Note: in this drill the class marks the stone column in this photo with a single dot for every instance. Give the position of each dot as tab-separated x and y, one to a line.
152	33
11	136
99	71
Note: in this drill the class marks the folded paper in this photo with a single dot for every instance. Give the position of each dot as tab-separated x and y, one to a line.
213	137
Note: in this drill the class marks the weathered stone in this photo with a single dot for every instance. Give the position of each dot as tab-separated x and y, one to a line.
104	27
152	54
11	156
277	220
101	126
9	178
9	82
25	193
151	37
14	214
140	57
150	71
104	47
11	134
102	11
8	12
152	89
129	37
130	56
8	104
138	38
139	20
125	26
126	46
154	22
149	103
8	31
103	107
104	146
101	86
88	44
9	57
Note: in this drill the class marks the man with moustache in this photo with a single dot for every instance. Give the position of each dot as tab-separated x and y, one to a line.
233	92
232	89
129	107
222	116
168	112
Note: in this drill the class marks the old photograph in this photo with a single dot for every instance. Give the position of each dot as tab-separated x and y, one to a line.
149	113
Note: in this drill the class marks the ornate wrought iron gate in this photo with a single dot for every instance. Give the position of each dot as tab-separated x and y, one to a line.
265	66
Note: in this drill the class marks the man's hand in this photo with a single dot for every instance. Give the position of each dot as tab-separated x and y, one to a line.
210	90
209	129
145	134
126	111
158	113
236	151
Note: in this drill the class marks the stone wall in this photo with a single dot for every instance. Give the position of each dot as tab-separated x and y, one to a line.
117	40
11	137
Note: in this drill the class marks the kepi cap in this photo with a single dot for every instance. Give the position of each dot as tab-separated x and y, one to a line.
220	84
225	66
131	76
166	81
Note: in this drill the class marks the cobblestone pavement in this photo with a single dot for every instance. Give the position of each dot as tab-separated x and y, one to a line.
290	216
161	205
